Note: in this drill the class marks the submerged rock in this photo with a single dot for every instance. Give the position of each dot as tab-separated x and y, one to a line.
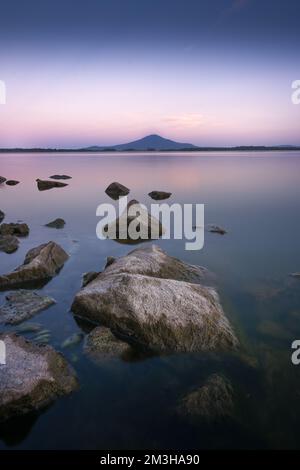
216	229
148	227
60	177
74	339
159	195
40	265
2	179
2	215
212	401
57	223
43	185
116	190
12	182
20	230
138	299
22	305
102	344
29	328
8	243
32	377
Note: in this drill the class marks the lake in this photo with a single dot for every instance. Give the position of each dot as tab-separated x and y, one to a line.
133	404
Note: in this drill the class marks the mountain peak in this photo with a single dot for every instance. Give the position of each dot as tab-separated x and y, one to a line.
149	142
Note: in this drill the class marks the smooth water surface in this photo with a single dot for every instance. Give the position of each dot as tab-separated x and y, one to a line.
133	404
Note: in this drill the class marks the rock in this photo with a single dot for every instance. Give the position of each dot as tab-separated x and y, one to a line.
138	299
212	401
33	377
2	215
149	227
60	177
116	190
43	185
2	180
89	277
216	229
295	275
40	265
110	260
74	339
12	182
20	230
102	344
22	305
8	243
159	195
57	223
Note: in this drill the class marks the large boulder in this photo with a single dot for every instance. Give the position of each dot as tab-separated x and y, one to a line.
32	377
8	243
22	305
146	226
116	190
43	185
40	265
20	230
141	299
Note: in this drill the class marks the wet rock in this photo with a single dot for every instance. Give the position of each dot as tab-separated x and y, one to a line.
158	313
116	190
22	305
20	230
60	177
88	277
102	344
57	223
212	401
32	378
147	226
12	182
216	229
2	179
44	185
8	243
40	265
159	195
2	215
73	340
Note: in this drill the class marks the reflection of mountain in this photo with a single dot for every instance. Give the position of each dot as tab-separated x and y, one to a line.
150	142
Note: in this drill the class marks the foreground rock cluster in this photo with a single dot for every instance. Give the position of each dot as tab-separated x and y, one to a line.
154	301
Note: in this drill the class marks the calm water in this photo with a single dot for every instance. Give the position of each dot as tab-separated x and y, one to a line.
132	404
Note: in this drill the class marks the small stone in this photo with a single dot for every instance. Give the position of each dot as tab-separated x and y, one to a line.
159	195
12	182
43	185
57	223
20	230
60	177
8	244
116	190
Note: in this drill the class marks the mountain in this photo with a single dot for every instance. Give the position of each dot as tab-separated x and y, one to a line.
150	142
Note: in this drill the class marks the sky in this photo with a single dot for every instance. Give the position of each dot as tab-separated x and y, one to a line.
103	72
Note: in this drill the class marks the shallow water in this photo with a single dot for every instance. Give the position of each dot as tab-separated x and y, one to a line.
132	404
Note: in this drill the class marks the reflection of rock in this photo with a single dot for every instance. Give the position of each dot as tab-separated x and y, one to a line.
137	297
2	215
32	378
102	344
60	177
2	179
216	229
12	182
135	217
43	185
116	190
57	223
40	265
8	243
212	401
159	195
22	305
20	230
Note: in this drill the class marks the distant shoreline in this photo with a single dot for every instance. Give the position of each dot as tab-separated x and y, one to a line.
189	150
